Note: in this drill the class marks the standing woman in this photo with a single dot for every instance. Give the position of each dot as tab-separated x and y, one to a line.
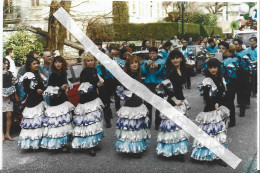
88	131
8	93
59	113
212	119
172	139
33	114
132	134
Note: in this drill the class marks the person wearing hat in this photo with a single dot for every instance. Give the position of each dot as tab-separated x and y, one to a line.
252	51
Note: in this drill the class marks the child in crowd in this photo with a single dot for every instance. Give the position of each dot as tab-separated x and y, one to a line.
172	139
8	92
88	131
59	112
212	119
132	134
33	114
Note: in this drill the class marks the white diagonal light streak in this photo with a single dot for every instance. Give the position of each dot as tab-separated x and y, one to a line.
139	89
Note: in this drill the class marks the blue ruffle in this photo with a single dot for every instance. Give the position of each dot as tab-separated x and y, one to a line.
132	147
204	154
54	143
132	124
29	143
172	149
8	91
88	119
168	125
57	121
87	142
32	123
213	128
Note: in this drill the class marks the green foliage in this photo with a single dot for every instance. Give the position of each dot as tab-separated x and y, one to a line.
22	42
120	12
159	31
205	31
193	17
234	25
100	32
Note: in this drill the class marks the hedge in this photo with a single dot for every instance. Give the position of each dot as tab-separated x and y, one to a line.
161	31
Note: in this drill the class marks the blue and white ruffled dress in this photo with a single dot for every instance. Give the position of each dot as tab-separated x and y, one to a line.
172	139
88	130
132	134
32	122
57	122
212	123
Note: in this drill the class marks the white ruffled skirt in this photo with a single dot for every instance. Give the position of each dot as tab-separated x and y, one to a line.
213	124
58	127
32	127
172	140
132	134
88	131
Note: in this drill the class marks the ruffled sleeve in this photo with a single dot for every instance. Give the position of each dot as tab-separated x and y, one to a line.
165	88
123	93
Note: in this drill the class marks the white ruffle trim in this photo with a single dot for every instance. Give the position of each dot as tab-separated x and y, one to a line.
8	91
182	109
62	109
32	133
213	116
91	106
220	137
84	87
30	75
173	136
35	111
51	90
132	136
58	132
83	131
132	112
209	81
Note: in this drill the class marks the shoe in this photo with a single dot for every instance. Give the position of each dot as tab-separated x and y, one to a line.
231	125
247	106
108	124
221	163
97	148
9	138
238	105
188	87
92	152
65	150
181	158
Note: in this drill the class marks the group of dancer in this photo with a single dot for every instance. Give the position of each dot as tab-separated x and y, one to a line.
50	126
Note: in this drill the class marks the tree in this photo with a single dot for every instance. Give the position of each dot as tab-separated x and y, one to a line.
23	42
120	12
214	7
56	31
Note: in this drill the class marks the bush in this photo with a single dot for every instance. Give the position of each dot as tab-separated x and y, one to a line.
193	17
23	42
158	31
120	12
205	31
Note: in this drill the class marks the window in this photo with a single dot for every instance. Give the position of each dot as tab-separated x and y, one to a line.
35	2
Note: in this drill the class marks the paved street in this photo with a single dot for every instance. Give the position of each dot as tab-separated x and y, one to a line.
242	141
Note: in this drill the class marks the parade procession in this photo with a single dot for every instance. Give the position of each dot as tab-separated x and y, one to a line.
133	86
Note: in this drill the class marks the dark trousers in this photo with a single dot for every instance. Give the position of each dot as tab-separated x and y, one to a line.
254	83
104	96
243	90
229	102
151	87
111	86
188	75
